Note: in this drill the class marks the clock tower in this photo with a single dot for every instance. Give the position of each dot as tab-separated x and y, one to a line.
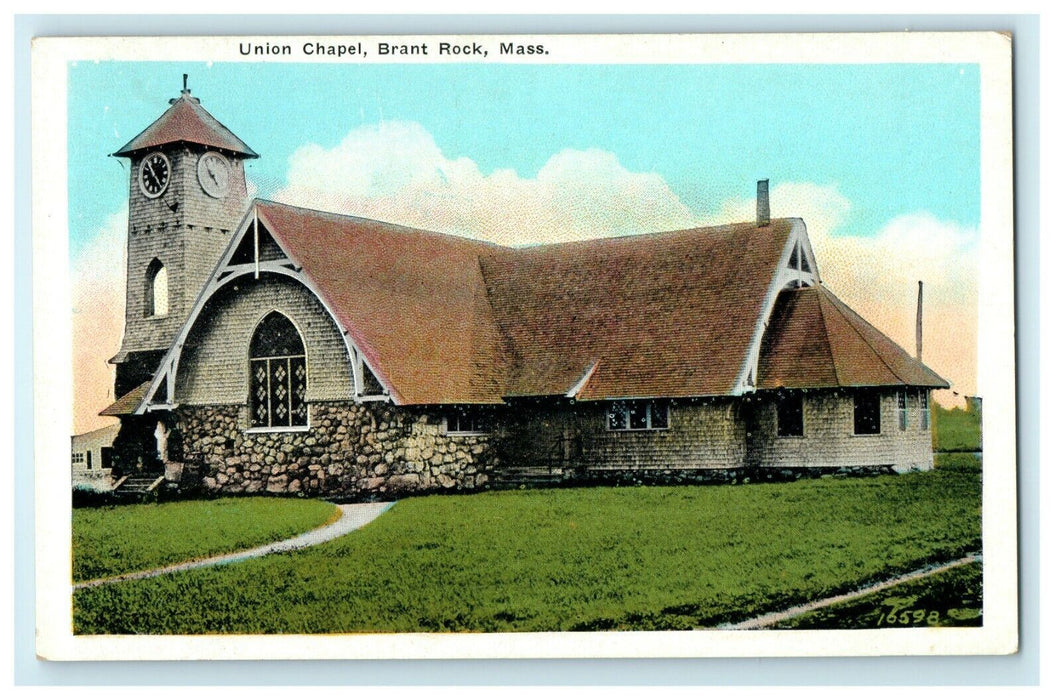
187	190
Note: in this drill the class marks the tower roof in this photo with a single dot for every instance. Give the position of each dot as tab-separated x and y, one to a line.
187	121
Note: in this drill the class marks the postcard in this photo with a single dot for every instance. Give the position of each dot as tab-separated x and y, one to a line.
524	346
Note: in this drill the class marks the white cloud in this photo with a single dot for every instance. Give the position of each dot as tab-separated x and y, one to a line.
97	297
395	171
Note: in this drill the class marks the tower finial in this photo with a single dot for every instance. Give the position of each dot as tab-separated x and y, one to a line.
185	90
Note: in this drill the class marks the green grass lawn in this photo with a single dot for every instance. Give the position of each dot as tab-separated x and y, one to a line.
952	598
956	429
570	559
119	539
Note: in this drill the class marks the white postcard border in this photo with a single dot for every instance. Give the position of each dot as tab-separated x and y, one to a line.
53	385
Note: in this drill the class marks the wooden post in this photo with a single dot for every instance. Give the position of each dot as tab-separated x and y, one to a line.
920	296
257	268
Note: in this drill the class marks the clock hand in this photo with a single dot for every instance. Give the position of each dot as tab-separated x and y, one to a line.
151	171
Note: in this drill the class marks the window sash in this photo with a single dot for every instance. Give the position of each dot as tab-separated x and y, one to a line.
867	414
278	392
789	415
467	422
913	405
638	416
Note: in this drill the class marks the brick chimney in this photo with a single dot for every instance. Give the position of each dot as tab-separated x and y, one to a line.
762	204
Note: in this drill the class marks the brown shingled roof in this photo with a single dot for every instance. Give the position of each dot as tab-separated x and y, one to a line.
667	314
413	301
127	404
814	340
448	320
187	121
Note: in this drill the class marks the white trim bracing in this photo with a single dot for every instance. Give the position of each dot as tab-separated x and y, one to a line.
223	274
784	276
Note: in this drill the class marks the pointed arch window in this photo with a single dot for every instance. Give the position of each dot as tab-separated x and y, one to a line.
277	374
156	289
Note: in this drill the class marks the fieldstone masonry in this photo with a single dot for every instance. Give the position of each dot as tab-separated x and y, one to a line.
350	450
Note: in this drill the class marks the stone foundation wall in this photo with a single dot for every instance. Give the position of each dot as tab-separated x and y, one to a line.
350	450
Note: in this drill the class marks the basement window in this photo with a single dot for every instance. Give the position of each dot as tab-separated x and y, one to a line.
466	421
638	415
790	415
867	413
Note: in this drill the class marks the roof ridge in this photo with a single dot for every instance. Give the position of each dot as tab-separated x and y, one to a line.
834	300
714	228
354	217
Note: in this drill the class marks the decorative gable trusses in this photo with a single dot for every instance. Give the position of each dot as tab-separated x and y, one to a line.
252	251
796	268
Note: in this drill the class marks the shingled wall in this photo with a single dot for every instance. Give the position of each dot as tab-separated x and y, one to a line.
829	440
214	364
701	435
186	230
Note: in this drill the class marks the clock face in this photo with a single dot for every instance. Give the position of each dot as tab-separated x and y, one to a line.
213	174
154	175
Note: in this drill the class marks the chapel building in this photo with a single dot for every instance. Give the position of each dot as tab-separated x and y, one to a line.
272	348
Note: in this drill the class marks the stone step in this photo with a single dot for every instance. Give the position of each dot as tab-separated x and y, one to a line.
531	470
528	475
138	484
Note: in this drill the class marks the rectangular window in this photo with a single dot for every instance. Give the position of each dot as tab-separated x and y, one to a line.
922	399
467	420
867	413
904	413
790	415
638	415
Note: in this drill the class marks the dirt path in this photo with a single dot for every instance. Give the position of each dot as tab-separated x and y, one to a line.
354	516
770	619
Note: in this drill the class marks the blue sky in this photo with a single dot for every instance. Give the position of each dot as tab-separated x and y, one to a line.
894	139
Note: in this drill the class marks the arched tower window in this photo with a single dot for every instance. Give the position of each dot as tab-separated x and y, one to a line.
277	374
156	289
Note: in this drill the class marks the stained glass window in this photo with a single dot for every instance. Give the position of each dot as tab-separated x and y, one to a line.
277	374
